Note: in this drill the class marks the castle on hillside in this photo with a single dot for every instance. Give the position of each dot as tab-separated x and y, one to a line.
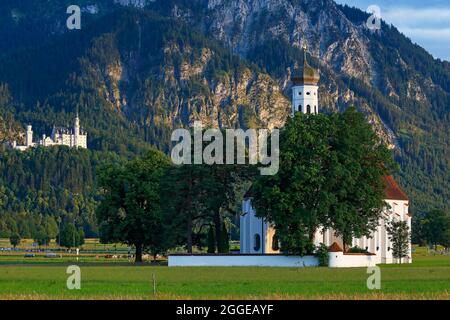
75	137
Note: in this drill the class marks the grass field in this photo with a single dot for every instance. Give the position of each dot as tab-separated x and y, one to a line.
427	278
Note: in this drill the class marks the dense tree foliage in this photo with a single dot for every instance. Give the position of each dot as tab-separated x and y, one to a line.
331	170
14	239
432	228
70	236
130	211
200	196
40	185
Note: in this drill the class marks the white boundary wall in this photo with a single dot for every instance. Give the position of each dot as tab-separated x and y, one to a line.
340	260
336	260
242	261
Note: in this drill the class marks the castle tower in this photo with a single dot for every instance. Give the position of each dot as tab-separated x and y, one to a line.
29	136
77	131
305	89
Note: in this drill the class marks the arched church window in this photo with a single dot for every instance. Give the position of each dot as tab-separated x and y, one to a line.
315	109
308	109
257	242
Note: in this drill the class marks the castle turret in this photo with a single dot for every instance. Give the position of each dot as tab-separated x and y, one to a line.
76	131
305	89
29	136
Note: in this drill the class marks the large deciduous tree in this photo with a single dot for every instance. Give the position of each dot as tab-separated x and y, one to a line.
201	195
331	170
295	198
355	177
70	237
435	227
130	211
14	239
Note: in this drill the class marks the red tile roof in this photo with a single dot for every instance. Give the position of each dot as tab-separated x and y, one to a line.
392	191
335	248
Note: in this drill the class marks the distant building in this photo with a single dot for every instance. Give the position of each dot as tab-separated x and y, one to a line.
74	137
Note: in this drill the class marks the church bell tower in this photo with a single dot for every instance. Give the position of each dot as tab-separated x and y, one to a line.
305	89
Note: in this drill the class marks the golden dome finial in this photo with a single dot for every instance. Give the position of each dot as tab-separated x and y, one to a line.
307	74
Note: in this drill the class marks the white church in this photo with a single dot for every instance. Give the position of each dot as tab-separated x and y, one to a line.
258	245
75	137
257	236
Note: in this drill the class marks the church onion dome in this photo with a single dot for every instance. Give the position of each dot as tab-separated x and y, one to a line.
306	75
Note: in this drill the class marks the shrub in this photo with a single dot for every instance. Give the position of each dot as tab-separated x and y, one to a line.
322	254
357	250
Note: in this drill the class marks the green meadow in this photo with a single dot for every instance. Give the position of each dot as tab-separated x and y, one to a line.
427	278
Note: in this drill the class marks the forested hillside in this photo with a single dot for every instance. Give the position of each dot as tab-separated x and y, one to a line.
49	182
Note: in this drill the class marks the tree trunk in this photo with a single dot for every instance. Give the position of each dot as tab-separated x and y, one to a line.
138	258
218	231
189	235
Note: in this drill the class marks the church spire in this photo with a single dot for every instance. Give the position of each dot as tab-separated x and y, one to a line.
305	87
307	74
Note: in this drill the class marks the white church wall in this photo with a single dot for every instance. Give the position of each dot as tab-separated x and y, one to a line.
251	228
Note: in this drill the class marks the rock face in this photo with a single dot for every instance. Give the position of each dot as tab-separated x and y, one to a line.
10	129
255	99
337	37
330	36
159	79
340	47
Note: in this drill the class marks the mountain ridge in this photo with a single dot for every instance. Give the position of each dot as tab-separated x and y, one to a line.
249	49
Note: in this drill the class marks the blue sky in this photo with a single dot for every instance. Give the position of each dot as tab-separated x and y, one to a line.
426	22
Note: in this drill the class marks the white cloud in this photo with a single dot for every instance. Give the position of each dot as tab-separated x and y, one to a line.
429	27
425	22
408	16
423	33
